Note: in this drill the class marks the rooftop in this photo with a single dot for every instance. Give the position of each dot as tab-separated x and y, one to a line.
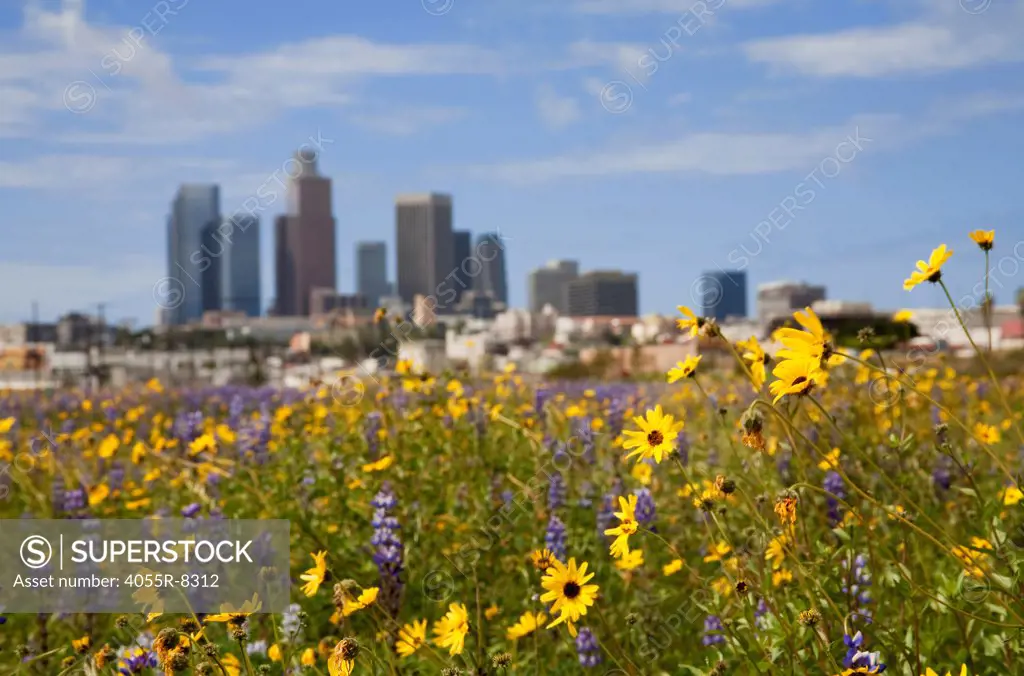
423	198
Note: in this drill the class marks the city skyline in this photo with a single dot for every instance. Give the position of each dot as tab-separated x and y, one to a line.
850	157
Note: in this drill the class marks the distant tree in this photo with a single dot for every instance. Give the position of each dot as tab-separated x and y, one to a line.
349	349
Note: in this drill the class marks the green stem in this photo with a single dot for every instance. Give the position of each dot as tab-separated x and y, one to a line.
984	360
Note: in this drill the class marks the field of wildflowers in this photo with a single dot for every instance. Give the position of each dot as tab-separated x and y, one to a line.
817	511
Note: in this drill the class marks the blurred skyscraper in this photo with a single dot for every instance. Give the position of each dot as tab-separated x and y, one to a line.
723	293
240	265
549	285
603	293
210	263
195	207
372	271
304	238
493	278
425	250
780	299
463	243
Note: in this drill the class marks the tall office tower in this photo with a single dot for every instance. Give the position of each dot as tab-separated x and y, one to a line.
423	234
305	238
603	293
240	265
493	278
194	208
372	271
723	293
549	285
463	242
779	299
210	262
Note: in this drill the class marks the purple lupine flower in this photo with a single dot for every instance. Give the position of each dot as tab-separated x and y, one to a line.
683	448
645	509
57	492
188	426
115	478
390	552
941	475
585	433
712	631
540	399
556	491
190	511
586	491
587	649
75	499
235	410
560	454
858	587
761	614
833	483
136	661
555	537
616	415
855	657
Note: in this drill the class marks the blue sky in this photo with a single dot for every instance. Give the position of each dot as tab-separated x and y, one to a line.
665	137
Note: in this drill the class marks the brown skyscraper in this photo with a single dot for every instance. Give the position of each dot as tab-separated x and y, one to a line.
425	248
305	249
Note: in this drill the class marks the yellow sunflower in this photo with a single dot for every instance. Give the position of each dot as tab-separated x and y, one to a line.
684	369
984	239
627	526
656	437
930	271
527	624
756	359
568	592
314	577
411	637
690	322
450	631
795	376
542	559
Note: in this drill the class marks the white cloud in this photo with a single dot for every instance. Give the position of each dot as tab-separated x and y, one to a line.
721	153
663	6
131	92
351	55
103	176
406	121
714	153
939	41
554	110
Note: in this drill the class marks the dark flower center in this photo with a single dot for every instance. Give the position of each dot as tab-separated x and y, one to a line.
935	276
571	590
800	380
655	438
